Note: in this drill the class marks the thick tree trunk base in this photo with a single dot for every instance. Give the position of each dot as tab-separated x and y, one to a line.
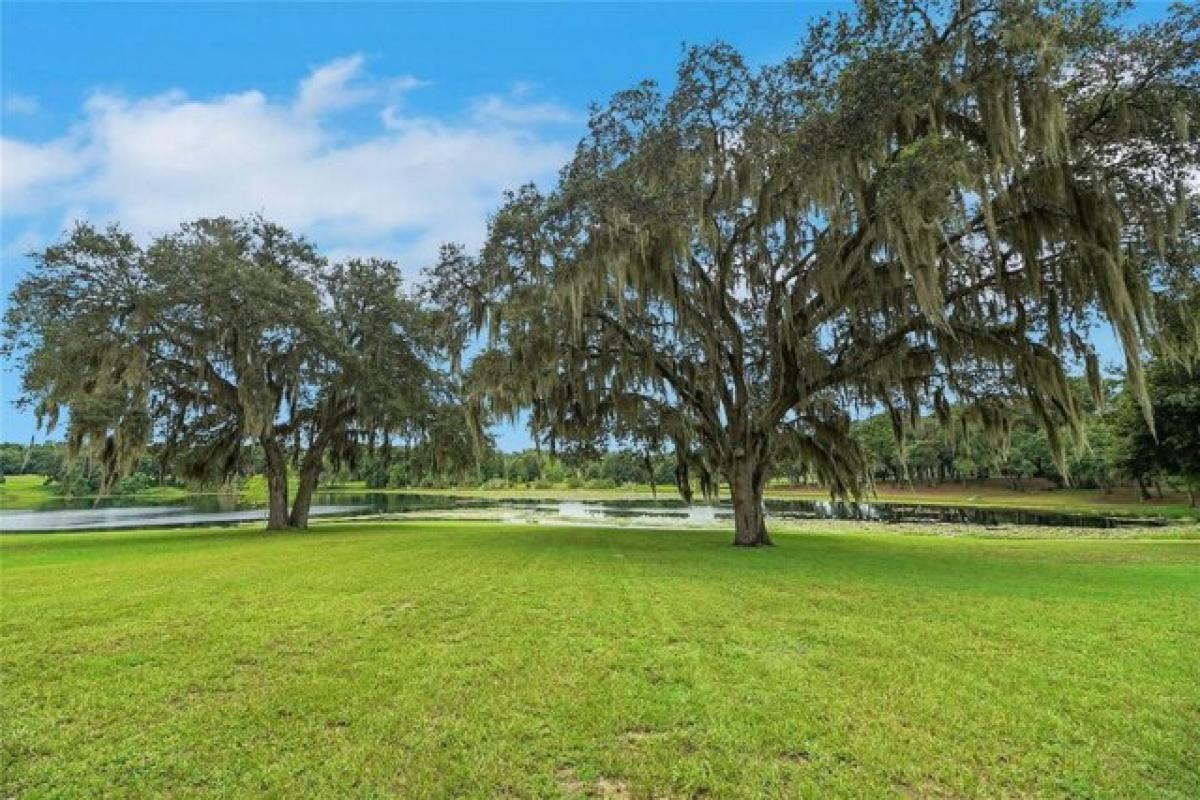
750	533
277	489
762	541
277	506
303	503
749	514
749	523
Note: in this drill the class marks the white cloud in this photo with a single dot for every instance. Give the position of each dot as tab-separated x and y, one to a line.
404	83
21	104
30	172
342	84
512	111
404	187
329	87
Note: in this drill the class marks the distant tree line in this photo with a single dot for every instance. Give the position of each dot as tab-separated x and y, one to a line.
1117	447
31	459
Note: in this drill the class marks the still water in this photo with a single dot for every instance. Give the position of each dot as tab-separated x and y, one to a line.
114	513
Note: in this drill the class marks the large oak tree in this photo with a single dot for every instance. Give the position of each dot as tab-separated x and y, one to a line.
929	202
222	334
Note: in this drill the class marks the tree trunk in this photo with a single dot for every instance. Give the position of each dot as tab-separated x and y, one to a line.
1143	492
747	477
309	476
276	473
683	480
648	462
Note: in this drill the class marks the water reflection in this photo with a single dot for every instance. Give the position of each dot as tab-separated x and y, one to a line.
666	511
116	517
117	513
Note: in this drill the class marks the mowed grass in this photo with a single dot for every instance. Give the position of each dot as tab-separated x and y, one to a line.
26	491
432	659
32	491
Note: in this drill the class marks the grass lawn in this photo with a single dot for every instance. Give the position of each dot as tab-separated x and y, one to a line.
31	491
431	659
26	491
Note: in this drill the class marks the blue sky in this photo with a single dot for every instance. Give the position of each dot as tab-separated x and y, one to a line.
375	129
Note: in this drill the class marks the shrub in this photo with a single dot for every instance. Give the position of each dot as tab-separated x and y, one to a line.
132	484
524	467
375	476
623	467
554	471
76	481
433	482
397	476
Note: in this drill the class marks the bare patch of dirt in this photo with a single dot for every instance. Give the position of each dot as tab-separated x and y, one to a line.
604	788
928	788
640	734
568	781
611	789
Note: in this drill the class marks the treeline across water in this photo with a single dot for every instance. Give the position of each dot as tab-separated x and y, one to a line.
1117	448
1115	445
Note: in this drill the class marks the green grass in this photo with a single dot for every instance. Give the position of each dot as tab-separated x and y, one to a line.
26	491
429	659
32	491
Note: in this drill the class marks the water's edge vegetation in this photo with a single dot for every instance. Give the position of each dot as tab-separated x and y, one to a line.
32	492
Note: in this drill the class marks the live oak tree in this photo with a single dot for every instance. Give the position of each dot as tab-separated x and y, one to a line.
929	202
225	333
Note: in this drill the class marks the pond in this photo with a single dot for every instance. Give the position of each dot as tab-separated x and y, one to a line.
117	513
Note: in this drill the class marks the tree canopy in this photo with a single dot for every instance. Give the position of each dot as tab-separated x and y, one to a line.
927	202
222	333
